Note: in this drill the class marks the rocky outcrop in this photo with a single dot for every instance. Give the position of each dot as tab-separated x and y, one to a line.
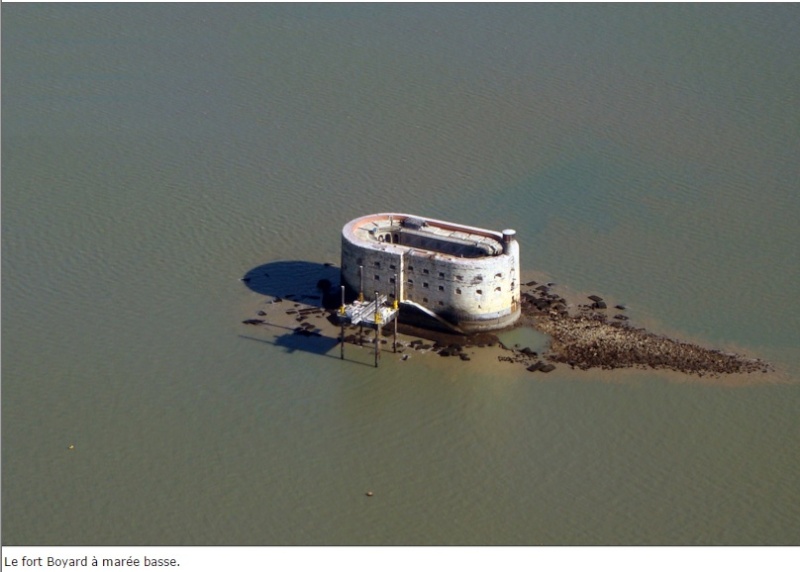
585	338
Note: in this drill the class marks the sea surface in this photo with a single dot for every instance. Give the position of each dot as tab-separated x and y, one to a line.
154	154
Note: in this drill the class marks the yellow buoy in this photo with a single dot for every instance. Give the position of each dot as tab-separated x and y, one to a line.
71	447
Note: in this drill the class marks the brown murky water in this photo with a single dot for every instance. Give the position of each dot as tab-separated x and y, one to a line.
154	155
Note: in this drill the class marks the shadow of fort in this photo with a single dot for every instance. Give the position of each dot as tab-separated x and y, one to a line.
310	283
292	282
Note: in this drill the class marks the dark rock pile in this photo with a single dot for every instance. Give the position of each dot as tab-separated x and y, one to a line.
586	338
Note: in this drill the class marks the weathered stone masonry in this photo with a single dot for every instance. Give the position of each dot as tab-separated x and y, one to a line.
467	276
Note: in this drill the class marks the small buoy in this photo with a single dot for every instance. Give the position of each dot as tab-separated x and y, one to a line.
369	493
71	447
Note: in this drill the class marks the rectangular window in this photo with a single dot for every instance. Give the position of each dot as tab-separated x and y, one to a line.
410	268
458	290
392	267
459	277
391	280
424	299
424	284
410	282
441	274
441	288
479	292
377	264
441	303
377	277
425	271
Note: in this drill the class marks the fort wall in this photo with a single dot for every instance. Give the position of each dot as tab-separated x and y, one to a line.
465	275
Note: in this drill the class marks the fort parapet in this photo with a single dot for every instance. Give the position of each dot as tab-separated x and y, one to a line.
464	278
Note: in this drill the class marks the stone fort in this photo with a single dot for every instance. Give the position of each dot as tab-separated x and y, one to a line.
457	277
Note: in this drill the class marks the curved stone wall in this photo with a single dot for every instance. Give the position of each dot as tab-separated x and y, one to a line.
467	276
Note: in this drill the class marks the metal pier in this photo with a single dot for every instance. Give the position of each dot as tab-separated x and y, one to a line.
373	314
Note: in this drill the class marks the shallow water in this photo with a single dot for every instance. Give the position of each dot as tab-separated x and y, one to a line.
154	155
525	337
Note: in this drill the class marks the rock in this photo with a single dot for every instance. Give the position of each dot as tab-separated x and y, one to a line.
547	368
595	298
253	322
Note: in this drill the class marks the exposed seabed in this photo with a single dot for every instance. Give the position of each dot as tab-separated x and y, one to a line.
583	335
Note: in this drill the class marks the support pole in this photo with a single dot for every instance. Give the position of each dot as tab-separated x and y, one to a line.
396	312
377	330
361	299
341	321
